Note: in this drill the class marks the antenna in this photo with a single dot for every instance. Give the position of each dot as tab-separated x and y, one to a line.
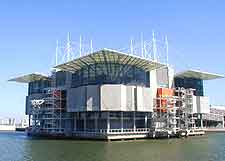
91	46
56	52
154	46
80	46
142	44
68	48
167	51
145	50
131	47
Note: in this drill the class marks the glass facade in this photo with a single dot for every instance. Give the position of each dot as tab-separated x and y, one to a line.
117	120
103	73
60	78
38	86
97	74
196	84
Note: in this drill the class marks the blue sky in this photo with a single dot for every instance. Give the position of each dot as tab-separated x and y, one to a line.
29	30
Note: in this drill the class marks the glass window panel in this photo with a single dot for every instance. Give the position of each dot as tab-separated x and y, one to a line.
111	72
196	84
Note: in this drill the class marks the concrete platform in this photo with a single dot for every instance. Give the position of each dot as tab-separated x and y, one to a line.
215	130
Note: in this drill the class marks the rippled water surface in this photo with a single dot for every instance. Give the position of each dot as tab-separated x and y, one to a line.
19	147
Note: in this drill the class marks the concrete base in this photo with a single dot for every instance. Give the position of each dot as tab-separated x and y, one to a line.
110	136
215	130
92	136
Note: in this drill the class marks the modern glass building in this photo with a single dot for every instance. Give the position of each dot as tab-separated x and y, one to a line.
104	95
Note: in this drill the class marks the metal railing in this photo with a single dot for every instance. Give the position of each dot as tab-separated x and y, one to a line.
112	131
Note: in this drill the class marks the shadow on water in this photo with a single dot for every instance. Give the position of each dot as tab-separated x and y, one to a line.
19	147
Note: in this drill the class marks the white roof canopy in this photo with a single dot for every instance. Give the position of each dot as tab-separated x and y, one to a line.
198	75
30	78
109	56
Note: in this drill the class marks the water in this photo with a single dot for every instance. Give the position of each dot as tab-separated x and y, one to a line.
19	147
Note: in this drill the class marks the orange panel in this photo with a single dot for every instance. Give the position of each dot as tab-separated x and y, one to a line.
162	103
165	92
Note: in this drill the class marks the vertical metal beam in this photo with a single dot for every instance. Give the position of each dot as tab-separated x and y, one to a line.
29	121
91	46
223	122
146	120
56	52
108	122
131	47
80	46
85	121
154	48
142	46
75	122
121	121
167	51
134	120
96	122
201	121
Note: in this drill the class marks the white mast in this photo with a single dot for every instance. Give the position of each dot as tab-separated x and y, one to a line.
167	51
80	46
56	52
68	48
154	46
131	47
142	45
91	46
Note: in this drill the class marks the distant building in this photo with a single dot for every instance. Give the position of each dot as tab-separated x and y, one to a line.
7	124
22	123
215	118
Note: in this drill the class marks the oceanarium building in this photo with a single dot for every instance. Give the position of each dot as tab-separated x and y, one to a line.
112	95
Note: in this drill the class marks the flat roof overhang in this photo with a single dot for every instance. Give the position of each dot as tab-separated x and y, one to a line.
198	75
30	78
109	56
